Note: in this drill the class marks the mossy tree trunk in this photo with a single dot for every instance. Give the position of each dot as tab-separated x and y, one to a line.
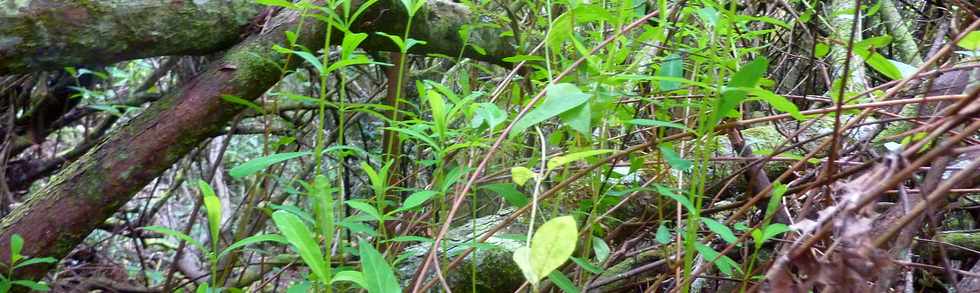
843	20
52	34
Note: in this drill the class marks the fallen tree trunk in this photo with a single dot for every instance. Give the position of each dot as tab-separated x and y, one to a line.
52	34
78	199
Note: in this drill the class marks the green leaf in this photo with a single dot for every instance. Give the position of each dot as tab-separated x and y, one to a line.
238	100
213	207
412	42
708	15
323	204
663	234
674	159
747	77
409	238
774	230
522	257
560	98
560	31
409	4
563	282
778	102
356	60
778	189
252	240
396	39
358	227
725	264
665	191
586	265
579	119
601	249
769	232
880	64
312	60
520	175
350	276
366	208
259	164
178	235
302	241
522	58
303	286
971	41
415	134
552	244
415	200
723	231
657	123
378	276
281	3
36	286
488	114
438	107
350	43
509	192
31	261
906	70
673	66
874	42
559	161
821	50
16	246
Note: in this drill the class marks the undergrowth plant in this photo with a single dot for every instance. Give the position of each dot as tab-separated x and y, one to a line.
603	140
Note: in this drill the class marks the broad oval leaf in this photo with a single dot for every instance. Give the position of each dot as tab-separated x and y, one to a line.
552	244
522	257
663	234
520	175
971	41
562	160
488	114
601	249
560	98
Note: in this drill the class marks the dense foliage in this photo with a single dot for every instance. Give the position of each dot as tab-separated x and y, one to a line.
493	146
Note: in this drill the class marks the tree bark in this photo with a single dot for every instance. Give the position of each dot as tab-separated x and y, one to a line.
79	198
51	34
